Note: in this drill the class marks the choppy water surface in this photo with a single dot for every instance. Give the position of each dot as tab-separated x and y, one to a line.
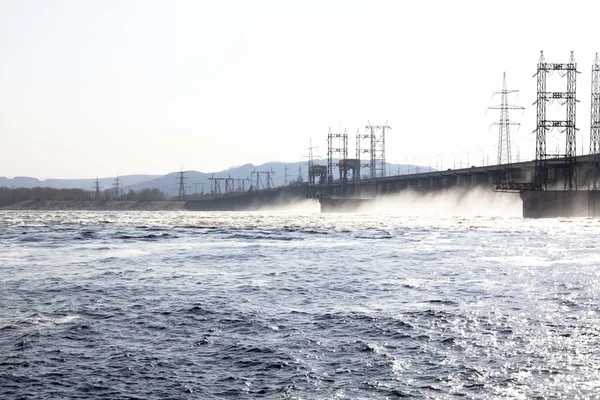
290	305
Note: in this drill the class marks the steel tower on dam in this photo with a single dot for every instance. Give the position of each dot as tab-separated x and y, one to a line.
578	195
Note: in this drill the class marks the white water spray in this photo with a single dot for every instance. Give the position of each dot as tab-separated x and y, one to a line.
449	203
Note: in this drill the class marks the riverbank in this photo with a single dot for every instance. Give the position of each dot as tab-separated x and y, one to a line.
65	205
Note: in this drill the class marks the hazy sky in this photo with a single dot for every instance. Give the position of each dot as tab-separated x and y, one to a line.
99	88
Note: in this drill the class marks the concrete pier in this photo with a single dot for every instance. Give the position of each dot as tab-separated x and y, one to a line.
560	203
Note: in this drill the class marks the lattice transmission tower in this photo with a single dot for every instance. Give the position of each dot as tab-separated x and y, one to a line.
376	137
504	153
337	145
117	188
97	188
594	183
310	159
267	182
359	151
181	179
215	186
229	184
568	99
378	166
317	174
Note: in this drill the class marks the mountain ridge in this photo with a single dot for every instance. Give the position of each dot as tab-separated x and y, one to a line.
195	181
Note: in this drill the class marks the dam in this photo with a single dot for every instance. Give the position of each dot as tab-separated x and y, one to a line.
350	195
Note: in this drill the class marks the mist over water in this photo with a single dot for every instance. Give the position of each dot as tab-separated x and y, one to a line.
447	203
300	305
450	203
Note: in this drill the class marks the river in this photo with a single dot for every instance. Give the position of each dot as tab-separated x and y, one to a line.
297	305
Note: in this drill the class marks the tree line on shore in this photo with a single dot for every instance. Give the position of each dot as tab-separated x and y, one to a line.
9	196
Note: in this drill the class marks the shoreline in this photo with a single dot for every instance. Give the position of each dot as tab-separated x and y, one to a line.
90	205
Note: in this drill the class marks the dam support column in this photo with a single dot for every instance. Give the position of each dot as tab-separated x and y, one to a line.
560	203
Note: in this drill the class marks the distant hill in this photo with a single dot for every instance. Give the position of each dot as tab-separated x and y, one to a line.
86	184
169	183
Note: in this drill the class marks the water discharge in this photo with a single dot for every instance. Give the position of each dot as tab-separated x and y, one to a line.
448	203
